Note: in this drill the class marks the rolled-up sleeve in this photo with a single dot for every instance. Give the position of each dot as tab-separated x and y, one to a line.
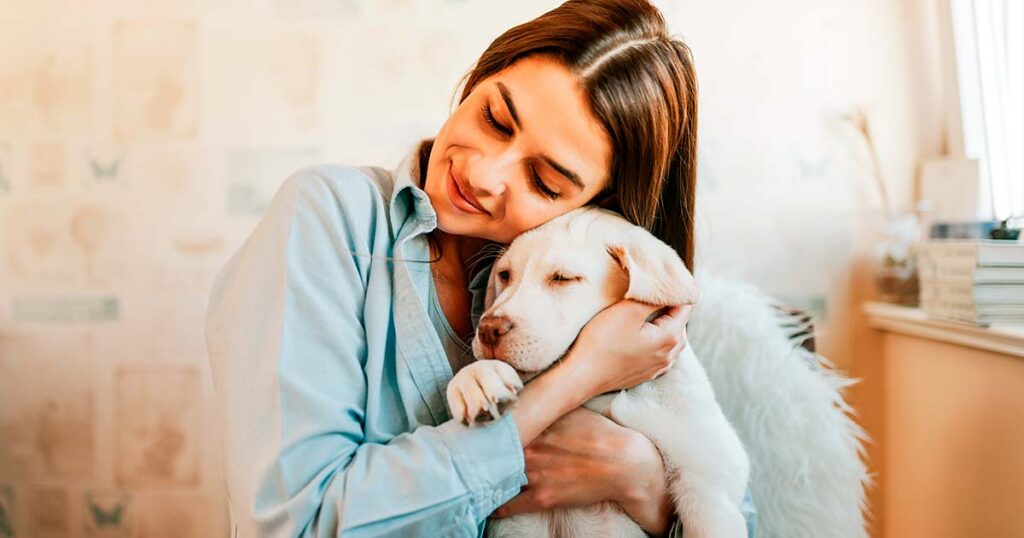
287	345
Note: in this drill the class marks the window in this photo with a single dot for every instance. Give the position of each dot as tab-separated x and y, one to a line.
988	38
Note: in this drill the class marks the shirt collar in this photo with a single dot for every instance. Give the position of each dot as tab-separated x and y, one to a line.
406	187
409	196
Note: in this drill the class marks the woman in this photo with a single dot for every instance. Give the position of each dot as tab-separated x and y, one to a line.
335	328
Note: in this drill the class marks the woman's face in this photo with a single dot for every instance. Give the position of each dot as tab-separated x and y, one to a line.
521	149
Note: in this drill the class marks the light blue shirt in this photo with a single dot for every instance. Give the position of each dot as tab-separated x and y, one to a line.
330	376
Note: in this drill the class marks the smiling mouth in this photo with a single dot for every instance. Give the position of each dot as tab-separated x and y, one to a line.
462	196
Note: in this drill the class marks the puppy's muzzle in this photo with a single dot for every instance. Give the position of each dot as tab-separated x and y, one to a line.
492	328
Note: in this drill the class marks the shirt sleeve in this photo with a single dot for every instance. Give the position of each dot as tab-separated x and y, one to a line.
746	507
288	349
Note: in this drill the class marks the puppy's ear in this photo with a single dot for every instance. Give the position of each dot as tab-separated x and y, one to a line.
656	273
491	281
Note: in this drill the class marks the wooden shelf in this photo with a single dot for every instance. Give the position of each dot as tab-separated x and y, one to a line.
1007	339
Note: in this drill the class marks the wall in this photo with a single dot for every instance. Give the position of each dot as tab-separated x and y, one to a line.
140	142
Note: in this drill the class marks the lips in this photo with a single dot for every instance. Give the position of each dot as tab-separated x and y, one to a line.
462	194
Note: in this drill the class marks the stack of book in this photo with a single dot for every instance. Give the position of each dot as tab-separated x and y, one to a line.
972	281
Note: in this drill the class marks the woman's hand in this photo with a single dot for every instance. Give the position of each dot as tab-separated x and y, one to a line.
619	348
584	458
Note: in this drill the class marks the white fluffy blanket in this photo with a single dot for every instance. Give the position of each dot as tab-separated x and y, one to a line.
786	403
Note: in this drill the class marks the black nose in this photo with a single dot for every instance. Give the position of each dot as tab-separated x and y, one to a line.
492	327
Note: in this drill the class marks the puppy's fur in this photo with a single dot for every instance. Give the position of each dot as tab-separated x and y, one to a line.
549	283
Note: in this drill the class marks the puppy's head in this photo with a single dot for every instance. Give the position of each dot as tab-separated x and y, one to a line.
553	279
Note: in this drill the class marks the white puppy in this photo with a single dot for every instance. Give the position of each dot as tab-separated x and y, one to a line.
549	283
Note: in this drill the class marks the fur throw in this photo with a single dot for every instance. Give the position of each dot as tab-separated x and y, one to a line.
807	476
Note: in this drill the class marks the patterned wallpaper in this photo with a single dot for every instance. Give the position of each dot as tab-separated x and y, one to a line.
140	141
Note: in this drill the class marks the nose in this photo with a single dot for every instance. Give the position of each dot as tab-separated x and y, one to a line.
490	172
492	328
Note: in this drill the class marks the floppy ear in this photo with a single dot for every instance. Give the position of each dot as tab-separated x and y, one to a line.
656	273
491	281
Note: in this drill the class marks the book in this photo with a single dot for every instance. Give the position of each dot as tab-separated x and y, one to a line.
991	310
960	254
969	313
967	293
970	274
975	319
963	230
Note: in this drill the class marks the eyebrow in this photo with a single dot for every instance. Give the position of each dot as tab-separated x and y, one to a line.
506	95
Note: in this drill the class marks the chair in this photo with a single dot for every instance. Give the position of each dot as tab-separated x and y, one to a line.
786	403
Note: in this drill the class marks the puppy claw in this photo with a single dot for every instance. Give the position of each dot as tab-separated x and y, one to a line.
481	392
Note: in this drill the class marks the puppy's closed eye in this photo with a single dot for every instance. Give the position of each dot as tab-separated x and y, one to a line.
561	278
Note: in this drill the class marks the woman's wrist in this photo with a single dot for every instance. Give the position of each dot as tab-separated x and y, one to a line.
575	367
546	398
654	516
644	491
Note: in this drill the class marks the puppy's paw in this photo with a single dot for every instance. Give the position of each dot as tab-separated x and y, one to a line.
483	391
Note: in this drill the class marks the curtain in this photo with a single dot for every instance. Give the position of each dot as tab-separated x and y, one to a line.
988	37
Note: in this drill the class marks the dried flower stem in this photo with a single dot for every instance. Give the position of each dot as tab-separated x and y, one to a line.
859	118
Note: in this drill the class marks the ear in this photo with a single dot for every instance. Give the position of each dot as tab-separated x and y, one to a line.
656	273
491	280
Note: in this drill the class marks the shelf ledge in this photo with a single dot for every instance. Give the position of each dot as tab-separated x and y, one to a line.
1006	339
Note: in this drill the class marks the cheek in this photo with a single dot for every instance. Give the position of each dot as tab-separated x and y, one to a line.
463	127
580	303
568	310
522	213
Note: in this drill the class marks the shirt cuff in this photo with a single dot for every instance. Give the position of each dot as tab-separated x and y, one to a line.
489	458
749	514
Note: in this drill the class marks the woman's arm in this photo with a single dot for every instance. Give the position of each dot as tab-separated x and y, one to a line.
547	398
585	458
645	495
617	349
288	351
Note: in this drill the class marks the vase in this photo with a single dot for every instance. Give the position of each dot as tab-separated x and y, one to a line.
896	260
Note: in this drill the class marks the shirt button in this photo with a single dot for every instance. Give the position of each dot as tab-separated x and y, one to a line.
496	497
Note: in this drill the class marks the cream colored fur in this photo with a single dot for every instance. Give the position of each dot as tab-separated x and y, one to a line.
548	284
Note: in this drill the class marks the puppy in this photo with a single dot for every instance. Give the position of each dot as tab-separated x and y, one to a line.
549	283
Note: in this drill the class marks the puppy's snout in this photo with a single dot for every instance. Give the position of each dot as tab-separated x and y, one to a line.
491	328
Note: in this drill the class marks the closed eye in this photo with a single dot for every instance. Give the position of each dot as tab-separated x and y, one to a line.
506	132
489	118
561	277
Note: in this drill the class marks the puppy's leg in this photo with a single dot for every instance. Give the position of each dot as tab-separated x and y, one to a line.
708	514
708	466
605	519
482	391
520	526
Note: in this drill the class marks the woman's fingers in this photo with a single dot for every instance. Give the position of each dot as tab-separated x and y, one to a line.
667	315
674	318
627	343
630	309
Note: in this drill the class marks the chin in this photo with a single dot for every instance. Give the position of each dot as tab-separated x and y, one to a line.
454	224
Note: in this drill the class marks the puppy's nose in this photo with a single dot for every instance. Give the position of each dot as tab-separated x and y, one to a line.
492	327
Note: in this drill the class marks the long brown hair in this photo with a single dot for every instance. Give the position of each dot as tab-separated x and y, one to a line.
641	85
